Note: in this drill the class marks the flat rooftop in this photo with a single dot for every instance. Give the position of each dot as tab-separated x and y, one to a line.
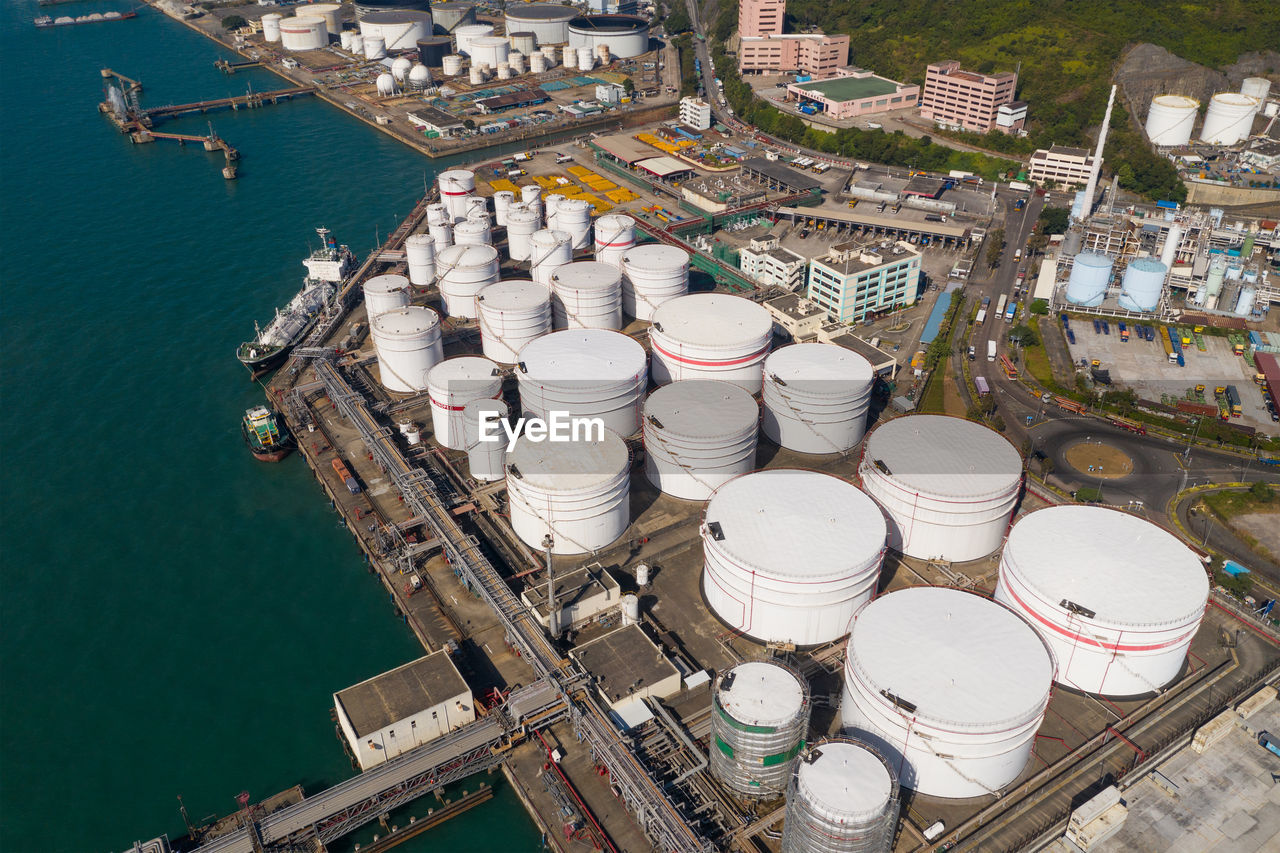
624	661
793	305
385	699
571	587
880	360
625	148
780	173
851	88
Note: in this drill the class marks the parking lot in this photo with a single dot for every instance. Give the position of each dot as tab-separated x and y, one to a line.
1143	366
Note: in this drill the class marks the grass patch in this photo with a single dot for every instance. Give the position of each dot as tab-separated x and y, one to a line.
1226	505
933	398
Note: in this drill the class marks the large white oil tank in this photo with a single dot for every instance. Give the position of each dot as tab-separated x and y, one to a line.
374	47
451	15
512	313
1229	118
1142	285
307	33
399	29
502	201
625	35
576	492
758	727
651	275
816	397
586	59
400	68
472	233
271	26
438	212
463	271
442	234
522	224
574	215
451	65
331	12
408	344
357	45
485	453
1117	598
456	185
383	293
386	85
516	61
615	235
584	373
452	384
529	193
523	42
476	206
1256	87
419	76
947	485
1245	301
698	435
586	295
489	50
551	206
465	34
949	686
843	798
1172	242
549	249
710	336
1090	274
790	555
1171	119
344	37
548	23
420	254
538	62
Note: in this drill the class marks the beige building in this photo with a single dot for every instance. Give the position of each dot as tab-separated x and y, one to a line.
1061	165
814	54
768	263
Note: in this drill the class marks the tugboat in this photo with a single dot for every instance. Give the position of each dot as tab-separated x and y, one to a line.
266	438
327	267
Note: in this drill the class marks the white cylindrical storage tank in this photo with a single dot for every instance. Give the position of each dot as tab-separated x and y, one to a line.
843	798
651	275
529	193
1244	303
344	37
463	271
1169	251
698	435
271	26
408	344
386	85
516	60
949	686
399	29
489	50
419	76
512	313
1229	118
383	293
584	373
307	33
586	59
790	555
615	235
1171	119
816	397
1090	274
471	233
502	201
374	47
456	186
465	34
331	12
522	224
357	45
420	254
485	454
1256	87
947	485
626	35
550	205
575	491
400	68
523	42
1142	285
1270	109
438	213
586	295
451	66
476	75
548	23
452	384
1117	598
451	15
759	723
710	336
538	62
574	216
504	71
602	53
630	609
442	234
549	249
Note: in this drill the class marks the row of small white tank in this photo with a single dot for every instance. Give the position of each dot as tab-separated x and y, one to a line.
1142	285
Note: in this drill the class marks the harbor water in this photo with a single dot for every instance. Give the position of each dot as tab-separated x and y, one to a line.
176	616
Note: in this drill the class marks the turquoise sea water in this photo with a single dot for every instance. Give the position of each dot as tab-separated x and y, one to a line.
175	616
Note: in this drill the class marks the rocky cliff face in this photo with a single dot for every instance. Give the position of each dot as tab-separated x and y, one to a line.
1147	70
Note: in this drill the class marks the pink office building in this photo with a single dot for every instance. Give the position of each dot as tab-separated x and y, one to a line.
956	98
811	53
761	17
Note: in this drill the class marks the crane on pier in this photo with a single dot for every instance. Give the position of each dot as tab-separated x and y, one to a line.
129	89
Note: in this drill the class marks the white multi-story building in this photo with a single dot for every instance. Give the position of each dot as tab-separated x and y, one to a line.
1061	165
696	113
852	281
769	264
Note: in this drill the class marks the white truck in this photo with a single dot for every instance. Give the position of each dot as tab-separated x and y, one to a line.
991	350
